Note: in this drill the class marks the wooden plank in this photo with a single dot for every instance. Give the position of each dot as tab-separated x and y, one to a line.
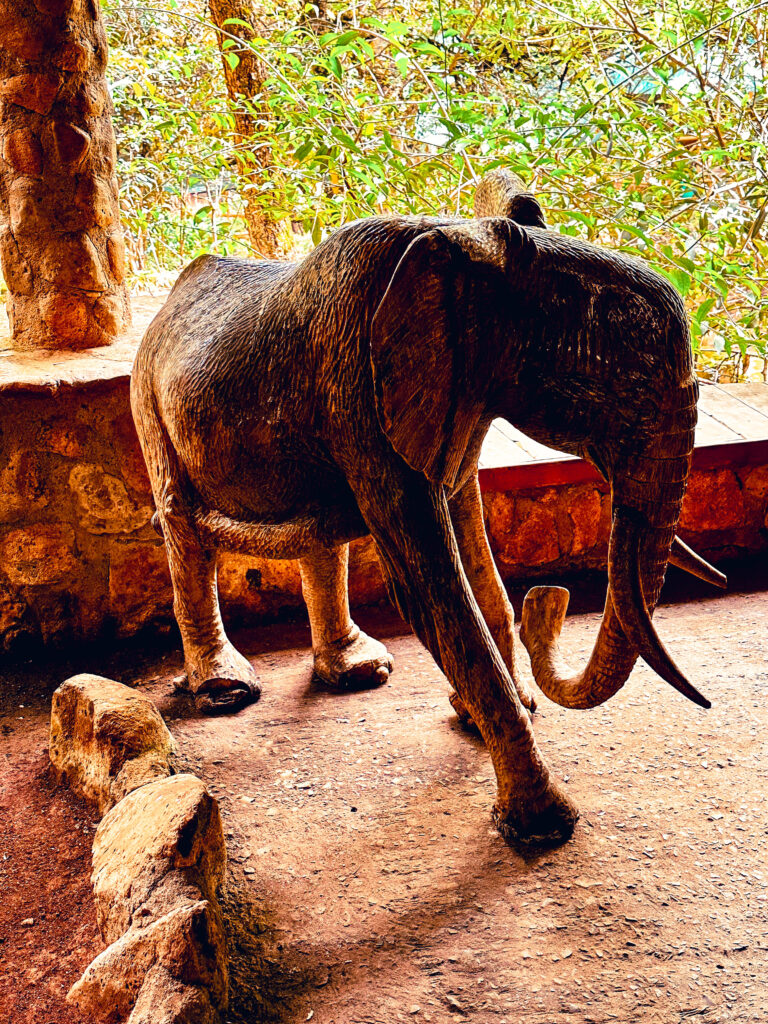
731	454
575	471
500	450
538	474
733	424
712	431
731	410
537	452
753	394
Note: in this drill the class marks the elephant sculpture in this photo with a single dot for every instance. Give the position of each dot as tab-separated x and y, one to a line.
287	408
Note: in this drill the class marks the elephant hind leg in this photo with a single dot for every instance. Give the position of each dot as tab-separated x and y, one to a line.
466	721
220	678
345	657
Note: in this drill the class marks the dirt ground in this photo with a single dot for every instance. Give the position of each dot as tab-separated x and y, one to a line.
366	884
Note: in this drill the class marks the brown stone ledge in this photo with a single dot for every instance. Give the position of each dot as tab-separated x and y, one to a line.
47	372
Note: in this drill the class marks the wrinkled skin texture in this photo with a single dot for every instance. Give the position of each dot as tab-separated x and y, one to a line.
285	409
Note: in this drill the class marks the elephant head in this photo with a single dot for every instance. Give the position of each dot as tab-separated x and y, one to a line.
583	349
501	193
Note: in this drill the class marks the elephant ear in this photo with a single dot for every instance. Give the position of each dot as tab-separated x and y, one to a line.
431	340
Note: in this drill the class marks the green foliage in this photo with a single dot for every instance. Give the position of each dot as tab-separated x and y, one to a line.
174	128
641	127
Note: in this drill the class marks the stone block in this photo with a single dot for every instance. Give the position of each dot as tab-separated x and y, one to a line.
133	469
755	484
22	486
30	211
713	501
17	271
535	540
23	37
39	554
169	971
106	739
139	586
22	150
72	143
32	91
103	503
116	256
66	315
72	261
13	617
90	98
584	507
96	202
109	310
168	832
104	145
523	530
63	437
73	56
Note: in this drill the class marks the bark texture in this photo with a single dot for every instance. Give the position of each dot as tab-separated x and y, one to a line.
245	81
61	244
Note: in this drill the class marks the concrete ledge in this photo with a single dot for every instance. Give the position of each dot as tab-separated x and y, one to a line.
565	471
47	373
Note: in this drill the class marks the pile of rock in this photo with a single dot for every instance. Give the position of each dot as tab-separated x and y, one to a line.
158	860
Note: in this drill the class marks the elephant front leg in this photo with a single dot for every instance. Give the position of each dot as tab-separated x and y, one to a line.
479	565
410	522
220	678
345	657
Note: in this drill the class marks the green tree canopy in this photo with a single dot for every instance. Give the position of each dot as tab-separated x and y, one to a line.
643	127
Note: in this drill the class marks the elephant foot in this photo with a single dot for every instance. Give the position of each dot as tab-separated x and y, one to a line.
221	682
356	662
549	822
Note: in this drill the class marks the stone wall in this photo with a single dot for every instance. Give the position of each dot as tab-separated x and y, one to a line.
79	558
78	555
538	532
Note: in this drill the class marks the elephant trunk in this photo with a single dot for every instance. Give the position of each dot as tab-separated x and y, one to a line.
647	497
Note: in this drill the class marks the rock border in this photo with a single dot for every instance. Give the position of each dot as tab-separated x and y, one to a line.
159	858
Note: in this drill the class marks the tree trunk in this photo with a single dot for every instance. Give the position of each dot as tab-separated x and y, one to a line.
245	82
61	242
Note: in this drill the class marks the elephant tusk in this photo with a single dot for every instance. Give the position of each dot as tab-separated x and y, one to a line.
686	558
628	601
